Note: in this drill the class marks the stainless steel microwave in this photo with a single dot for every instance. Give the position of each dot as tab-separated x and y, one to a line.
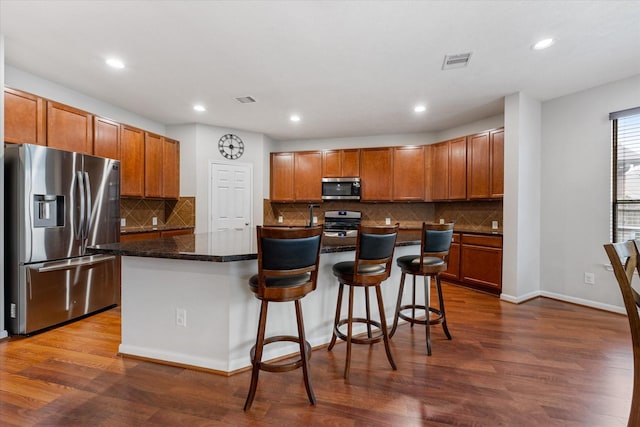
341	188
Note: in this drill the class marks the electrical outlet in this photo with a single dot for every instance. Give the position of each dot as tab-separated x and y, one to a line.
387	221
154	220
181	317
123	222
589	278
280	219
494	225
441	220
315	219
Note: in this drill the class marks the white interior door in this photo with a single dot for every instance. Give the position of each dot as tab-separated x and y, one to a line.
230	196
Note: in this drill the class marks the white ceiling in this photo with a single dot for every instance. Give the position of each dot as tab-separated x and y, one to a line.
348	68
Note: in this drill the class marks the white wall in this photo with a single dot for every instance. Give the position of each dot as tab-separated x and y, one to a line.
356	142
3	332
22	80
575	202
199	147
471	128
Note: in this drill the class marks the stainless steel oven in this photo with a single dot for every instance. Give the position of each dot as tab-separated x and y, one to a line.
341	188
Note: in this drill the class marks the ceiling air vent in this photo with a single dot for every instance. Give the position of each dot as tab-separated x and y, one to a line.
456	61
245	100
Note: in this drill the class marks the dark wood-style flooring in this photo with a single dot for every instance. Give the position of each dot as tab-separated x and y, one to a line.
541	363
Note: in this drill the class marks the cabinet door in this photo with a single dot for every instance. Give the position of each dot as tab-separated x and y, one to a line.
350	162
481	261
453	265
440	171
307	176
24	118
331	164
170	169
497	163
106	138
131	161
376	173
153	155
428	173
281	188
408	173
69	129
136	237
478	173
458	169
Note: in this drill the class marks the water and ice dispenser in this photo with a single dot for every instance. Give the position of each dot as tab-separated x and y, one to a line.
49	210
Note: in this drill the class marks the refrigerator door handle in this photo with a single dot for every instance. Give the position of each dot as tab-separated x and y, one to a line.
73	263
87	185
81	220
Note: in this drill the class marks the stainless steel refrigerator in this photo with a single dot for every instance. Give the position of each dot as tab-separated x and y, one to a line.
56	204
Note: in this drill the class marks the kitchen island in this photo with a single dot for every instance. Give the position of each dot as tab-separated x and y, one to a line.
186	299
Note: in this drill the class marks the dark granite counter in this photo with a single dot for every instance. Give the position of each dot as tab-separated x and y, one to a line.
224	246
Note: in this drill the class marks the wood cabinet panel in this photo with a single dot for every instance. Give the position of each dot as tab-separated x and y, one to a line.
408	173
281	177
24	118
376	173
340	163
440	171
136	237
458	169
478	177
350	162
307	176
180	232
69	128
170	169
153	155
453	265
131	161
106	138
497	163
428	173
481	266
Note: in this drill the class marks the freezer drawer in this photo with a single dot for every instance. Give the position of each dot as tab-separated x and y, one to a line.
55	292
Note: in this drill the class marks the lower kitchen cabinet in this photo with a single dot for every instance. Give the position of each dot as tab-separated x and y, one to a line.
475	260
149	235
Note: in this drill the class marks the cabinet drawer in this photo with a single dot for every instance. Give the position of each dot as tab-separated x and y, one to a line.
481	240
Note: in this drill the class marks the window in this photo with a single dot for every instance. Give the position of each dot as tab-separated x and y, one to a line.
625	212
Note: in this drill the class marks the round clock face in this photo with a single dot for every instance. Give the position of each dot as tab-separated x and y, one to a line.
231	146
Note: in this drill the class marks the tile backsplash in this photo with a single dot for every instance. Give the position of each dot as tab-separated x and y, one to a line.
470	214
140	212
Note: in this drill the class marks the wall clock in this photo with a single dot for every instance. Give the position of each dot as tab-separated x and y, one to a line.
231	146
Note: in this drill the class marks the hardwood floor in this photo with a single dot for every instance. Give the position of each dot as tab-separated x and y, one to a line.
541	363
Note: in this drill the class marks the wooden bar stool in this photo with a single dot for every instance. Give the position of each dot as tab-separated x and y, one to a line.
434	254
372	266
287	271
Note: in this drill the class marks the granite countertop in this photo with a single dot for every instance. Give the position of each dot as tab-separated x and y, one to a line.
223	246
148	228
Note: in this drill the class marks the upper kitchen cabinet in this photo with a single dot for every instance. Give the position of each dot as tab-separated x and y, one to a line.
153	166
69	128
449	170
307	176
376	173
171	168
408	173
485	167
131	161
24	118
106	138
428	173
281	179
341	163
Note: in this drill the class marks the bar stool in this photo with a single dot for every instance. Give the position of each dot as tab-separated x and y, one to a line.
287	271
372	266
434	254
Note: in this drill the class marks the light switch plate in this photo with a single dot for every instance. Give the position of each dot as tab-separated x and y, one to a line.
494	225
441	220
280	219
123	222
154	220
387	221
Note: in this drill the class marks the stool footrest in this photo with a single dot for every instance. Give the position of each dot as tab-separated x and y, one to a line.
435	321
374	338
281	367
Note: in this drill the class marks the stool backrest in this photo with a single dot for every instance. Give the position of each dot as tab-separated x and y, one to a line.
625	260
288	252
436	240
374	246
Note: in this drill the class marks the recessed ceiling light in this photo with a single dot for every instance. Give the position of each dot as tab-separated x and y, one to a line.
543	44
199	108
294	118
115	63
419	108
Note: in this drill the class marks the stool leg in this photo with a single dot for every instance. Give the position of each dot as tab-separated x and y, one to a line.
427	297
441	302
337	319
257	355
303	353
413	300
398	304
383	323
349	332
367	310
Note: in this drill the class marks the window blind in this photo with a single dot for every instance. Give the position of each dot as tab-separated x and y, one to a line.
626	175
